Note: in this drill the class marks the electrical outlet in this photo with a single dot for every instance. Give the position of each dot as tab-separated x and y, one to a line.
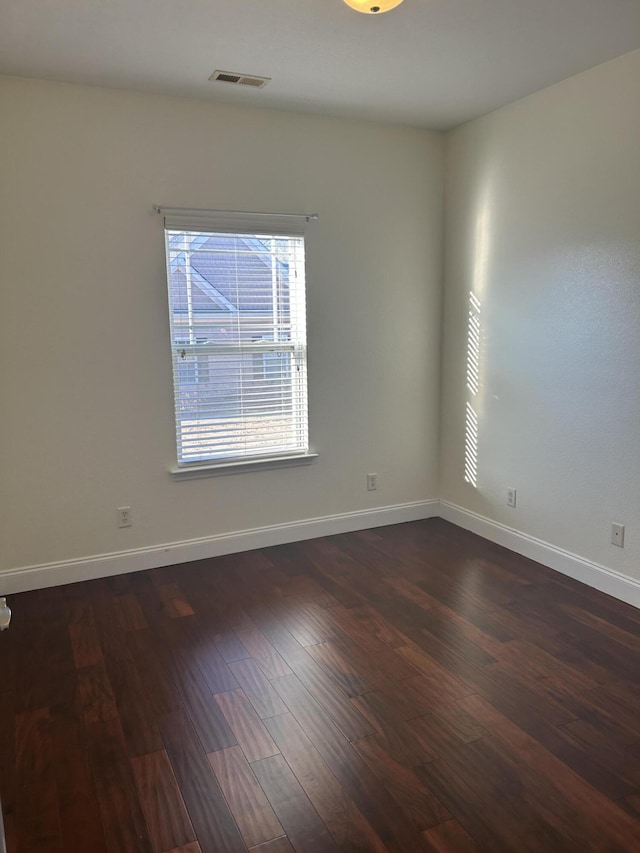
511	497
124	516
617	534
372	482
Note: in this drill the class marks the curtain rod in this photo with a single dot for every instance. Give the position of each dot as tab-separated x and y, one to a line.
196	210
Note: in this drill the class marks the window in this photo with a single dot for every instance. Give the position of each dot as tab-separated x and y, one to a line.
238	338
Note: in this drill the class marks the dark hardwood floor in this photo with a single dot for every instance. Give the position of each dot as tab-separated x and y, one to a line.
411	688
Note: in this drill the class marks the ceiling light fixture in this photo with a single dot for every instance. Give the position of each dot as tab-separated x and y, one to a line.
373	7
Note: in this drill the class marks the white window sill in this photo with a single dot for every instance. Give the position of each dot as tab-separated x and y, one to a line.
216	469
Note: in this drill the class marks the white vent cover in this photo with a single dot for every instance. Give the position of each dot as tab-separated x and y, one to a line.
239	79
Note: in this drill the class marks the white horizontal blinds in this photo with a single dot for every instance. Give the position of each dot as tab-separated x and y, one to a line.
237	310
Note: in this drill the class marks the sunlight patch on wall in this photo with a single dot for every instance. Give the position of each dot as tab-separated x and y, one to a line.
482	242
473	387
471	447
473	346
481	258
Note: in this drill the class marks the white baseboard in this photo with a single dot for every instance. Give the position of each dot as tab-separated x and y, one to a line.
26	578
591	574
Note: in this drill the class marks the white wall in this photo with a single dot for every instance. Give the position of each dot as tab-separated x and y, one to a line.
87	421
543	225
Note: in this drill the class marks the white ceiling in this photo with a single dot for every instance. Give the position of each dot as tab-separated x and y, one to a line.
430	63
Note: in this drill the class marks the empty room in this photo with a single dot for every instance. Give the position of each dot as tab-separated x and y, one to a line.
320	426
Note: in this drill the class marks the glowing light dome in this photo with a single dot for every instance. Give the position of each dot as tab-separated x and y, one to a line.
373	7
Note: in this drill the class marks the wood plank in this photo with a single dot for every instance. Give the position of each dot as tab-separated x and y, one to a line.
467	640
379	627
412	698
38	829
253	738
10	832
97	697
111	631
201	707
339	813
434	733
246	799
524	705
161	691
162	803
336	589
607	772
413	593
264	653
522	814
301	584
332	699
446	684
228	644
174	600
449	837
197	644
122	818
301	822
129	613
543	671
461	800
8	753
134	707
340	669
78	806
446	732
613	708
85	640
466	727
605	818
280	845
413	797
399	739
305	621
385	659
257	688
366	791
214	826
335	564
615	757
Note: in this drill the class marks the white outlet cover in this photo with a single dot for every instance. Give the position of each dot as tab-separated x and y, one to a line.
617	534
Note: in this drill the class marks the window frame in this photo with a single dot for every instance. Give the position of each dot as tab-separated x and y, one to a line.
249	225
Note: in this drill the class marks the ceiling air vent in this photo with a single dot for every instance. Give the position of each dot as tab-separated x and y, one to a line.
239	79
